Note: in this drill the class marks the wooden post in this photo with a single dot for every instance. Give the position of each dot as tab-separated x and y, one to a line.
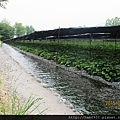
115	45
58	33
90	44
56	47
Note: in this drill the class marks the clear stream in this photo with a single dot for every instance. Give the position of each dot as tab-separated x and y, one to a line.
86	95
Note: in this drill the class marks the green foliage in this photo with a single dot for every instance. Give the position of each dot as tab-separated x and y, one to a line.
0	37
99	59
6	30
13	105
17	108
29	29
113	22
20	30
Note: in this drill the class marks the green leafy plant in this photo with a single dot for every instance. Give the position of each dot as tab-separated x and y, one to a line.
13	105
10	104
98	59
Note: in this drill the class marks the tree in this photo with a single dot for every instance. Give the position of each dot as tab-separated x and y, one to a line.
108	22
116	21
20	30
2	3
6	30
29	29
113	22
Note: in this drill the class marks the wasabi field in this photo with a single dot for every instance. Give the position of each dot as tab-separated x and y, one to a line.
98	58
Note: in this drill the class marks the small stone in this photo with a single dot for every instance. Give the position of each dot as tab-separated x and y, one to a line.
81	113
44	85
74	110
56	94
60	101
51	89
64	100
71	106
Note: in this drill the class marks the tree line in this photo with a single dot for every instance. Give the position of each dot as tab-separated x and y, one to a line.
8	32
113	22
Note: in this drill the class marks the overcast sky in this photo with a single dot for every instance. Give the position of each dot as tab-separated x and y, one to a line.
52	14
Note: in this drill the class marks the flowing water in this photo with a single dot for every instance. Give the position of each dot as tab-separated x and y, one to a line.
90	97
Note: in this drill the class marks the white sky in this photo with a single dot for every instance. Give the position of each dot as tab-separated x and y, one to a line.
52	14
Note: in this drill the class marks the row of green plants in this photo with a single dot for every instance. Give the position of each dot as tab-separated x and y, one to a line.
96	57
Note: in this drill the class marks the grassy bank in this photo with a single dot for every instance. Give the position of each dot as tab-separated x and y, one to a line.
96	57
10	104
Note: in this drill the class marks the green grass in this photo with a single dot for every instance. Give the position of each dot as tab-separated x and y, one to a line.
99	58
10	104
13	106
0	79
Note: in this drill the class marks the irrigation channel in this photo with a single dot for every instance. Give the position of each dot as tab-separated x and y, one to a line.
89	96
